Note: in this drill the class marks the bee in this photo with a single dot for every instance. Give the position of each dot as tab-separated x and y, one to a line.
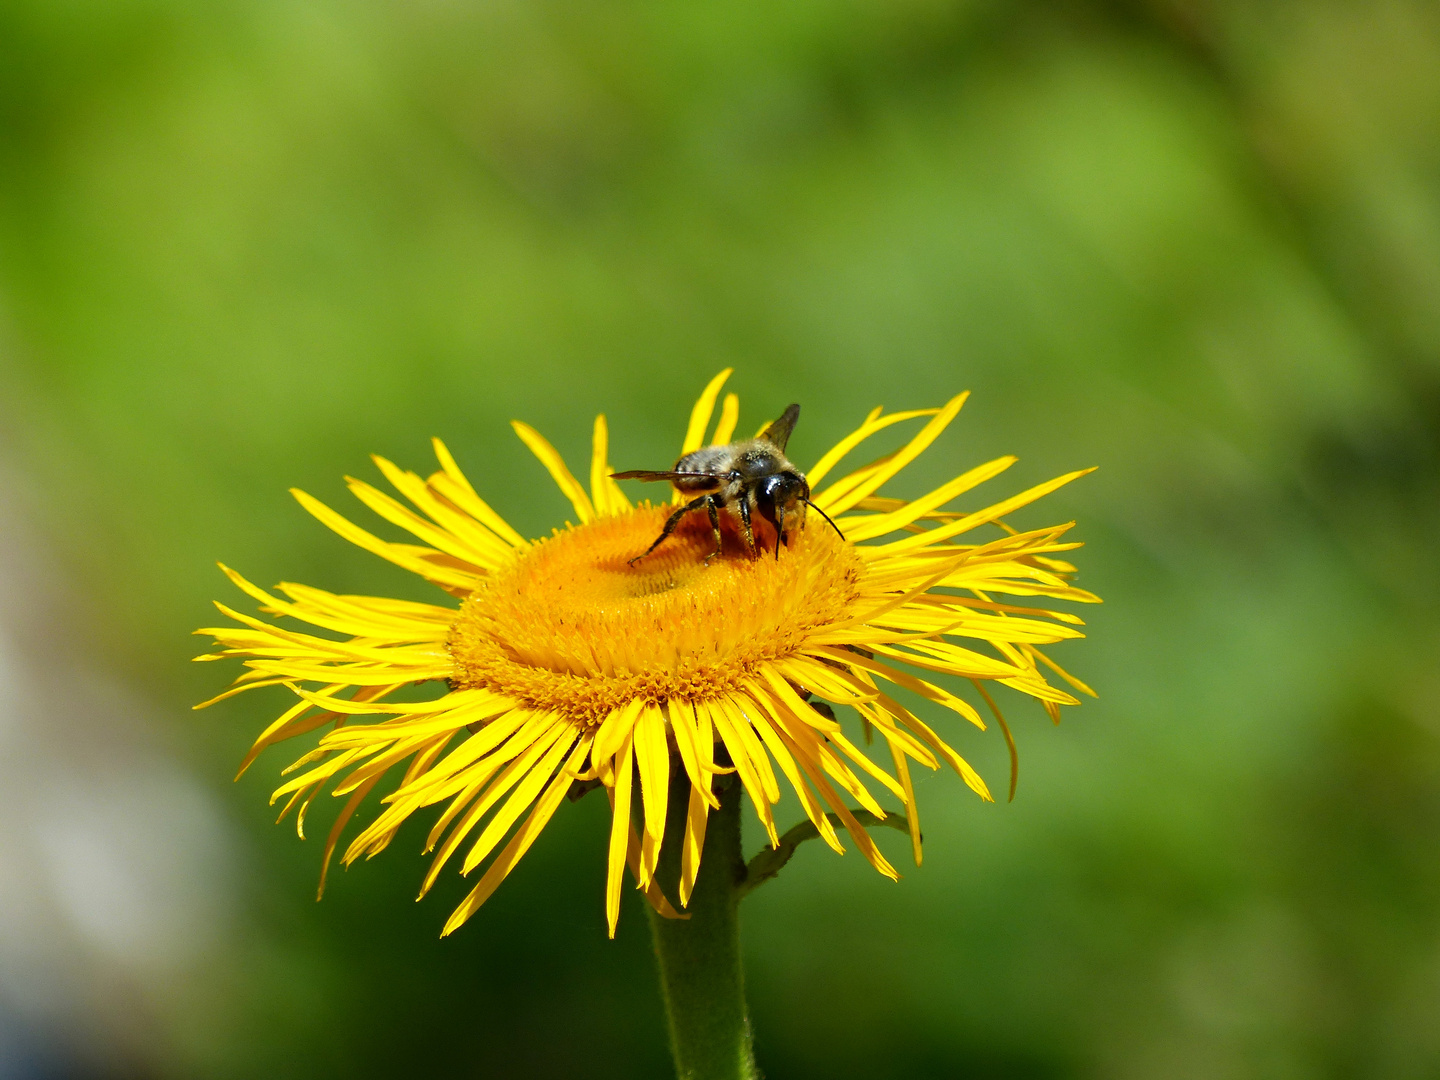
743	479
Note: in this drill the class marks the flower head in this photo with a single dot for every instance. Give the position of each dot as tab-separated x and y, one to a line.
565	664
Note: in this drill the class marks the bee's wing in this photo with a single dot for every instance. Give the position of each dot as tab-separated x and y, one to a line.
671	477
778	433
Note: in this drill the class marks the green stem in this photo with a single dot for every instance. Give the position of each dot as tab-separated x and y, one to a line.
700	970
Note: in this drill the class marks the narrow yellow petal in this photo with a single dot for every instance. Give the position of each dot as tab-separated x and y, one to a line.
459	491
600	470
482	544
908	453
814	749
378	764
449	721
923	586
334	838
282	728
654	895
652	754
1005	730
787	695
520	799
518	769
461	793
830	683
855	754
700	414
300	817
394	553
687	741
619	827
898	737
354	675
779	748
520	843
616	728
555	465
746	766
251	685
880	524
373	616
912	808
909	682
696	818
939	746
471	764
980	517
729	416
873	423
699	421
1071	679
311	646
754	748
857	832
378	834
767	721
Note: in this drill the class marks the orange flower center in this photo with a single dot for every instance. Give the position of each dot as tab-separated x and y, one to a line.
571	627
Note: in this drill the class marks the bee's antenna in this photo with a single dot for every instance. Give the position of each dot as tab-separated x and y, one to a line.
826	516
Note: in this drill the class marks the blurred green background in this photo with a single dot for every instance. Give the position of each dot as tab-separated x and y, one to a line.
1194	242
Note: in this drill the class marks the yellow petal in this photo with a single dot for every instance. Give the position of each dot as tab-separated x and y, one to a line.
729	416
873	423
555	465
746	766
880	524
980	517
700	414
520	799
338	827
519	843
695	821
391	552
687	741
605	493
907	454
652	754
619	827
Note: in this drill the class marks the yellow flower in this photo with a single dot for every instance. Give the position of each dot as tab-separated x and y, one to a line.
564	664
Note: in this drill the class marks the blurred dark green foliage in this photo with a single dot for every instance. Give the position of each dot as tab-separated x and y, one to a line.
1195	242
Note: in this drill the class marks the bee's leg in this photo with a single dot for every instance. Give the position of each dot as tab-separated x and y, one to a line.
745	520
671	522
781	538
710	505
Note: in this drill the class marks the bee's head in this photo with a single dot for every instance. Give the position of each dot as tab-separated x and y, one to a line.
780	495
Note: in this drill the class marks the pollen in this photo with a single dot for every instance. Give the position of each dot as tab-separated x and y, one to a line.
573	628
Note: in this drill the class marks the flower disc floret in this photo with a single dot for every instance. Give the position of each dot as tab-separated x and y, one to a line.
573	628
